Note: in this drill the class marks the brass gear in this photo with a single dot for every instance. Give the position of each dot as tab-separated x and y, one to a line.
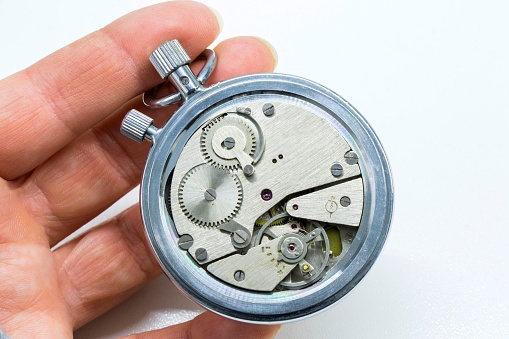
278	209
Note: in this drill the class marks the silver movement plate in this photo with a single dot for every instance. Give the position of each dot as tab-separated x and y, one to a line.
266	198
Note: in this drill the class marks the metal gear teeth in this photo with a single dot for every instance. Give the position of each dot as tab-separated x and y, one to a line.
260	222
201	222
223	164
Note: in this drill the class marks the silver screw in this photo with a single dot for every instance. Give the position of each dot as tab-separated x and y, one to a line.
248	170
185	242
268	109
184	80
239	275
210	194
229	143
201	254
240	236
345	201
351	158
336	170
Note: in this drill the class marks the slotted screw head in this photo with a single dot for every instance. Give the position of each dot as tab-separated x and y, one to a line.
268	109
351	158
345	201
201	254
239	275
240	236
336	170
185	242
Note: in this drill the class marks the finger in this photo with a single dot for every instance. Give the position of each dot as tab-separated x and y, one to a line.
79	85
105	164
105	266
243	55
28	284
211	326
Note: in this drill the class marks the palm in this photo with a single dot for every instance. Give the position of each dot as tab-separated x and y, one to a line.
62	162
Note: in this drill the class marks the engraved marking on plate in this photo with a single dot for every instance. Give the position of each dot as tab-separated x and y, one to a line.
311	205
331	205
262	271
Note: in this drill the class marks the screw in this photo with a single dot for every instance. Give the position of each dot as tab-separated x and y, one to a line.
351	158
210	194
295	207
240	237
239	275
229	143
201	254
336	170
345	201
248	170
184	80
280	156
185	242
268	109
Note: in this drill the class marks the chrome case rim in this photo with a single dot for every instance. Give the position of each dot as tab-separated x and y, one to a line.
259	307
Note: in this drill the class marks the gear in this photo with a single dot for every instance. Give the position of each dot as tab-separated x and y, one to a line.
315	258
278	209
227	139
209	196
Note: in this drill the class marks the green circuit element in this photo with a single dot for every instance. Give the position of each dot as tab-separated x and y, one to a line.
336	247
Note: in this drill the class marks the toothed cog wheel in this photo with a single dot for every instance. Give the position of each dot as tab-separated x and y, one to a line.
209	196
228	141
276	210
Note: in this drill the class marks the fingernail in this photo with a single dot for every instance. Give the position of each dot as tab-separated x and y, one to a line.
218	17
271	49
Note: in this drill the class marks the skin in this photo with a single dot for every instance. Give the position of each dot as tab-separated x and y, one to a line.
63	161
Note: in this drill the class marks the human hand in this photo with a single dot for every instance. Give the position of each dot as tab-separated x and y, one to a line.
63	161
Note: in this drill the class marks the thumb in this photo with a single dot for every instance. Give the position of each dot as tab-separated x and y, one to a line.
211	326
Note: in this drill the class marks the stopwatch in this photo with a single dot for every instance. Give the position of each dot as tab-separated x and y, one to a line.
265	198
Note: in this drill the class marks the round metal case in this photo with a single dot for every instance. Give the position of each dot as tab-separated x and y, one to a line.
266	198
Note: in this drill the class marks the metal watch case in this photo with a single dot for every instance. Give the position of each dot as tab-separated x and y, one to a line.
266	198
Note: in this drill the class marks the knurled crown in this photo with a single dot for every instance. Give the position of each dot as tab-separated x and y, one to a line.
135	125
168	57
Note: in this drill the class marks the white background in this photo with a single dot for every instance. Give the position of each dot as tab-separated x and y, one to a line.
432	77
